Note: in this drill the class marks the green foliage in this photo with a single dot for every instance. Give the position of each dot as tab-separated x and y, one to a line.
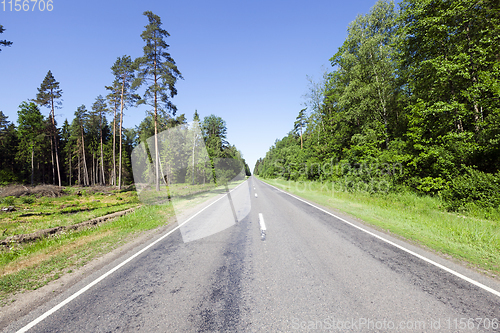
7	177
9	142
4	42
157	68
431	185
32	132
449	58
214	131
28	200
49	93
8	201
300	125
124	72
473	188
411	102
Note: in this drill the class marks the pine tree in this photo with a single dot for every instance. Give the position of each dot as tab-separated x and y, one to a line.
299	124
8	150
114	98
66	146
81	117
30	130
99	107
124	72
159	70
4	42
48	95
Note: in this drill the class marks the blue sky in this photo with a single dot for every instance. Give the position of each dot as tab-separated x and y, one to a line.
245	61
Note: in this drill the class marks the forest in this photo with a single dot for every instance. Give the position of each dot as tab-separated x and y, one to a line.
94	148
411	103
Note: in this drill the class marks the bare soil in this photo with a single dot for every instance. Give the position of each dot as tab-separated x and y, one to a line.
52	191
38	191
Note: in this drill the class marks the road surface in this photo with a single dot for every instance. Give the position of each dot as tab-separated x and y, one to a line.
307	271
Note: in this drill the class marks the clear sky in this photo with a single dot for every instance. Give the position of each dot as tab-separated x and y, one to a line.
246	61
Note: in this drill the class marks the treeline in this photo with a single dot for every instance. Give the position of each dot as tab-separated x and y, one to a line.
412	101
195	153
91	150
26	151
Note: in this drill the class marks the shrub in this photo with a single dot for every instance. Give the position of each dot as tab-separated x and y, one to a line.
8	201
432	185
28	200
473	188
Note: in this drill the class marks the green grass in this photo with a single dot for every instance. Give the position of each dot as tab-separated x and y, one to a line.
44	213
421	219
30	266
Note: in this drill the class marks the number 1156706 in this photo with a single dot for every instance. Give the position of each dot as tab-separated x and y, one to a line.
27	5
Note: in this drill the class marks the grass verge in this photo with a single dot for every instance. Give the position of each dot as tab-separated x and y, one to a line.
47	212
30	266
420	219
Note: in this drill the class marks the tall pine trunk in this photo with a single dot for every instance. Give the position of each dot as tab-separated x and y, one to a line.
103	175
103	180
85	169
194	145
113	182
57	158
52	160
70	169
157	162
120	133
54	130
32	164
79	168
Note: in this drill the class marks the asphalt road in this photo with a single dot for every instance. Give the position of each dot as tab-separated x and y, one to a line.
311	272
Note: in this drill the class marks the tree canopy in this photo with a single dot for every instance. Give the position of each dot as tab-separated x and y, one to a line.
412	100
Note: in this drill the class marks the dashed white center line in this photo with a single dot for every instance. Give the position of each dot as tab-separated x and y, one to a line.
262	227
261	222
256	195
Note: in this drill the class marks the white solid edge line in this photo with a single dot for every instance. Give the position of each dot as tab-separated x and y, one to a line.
105	275
261	222
474	282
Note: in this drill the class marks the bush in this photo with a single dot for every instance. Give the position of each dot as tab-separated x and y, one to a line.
432	185
473	188
28	200
7	177
8	201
